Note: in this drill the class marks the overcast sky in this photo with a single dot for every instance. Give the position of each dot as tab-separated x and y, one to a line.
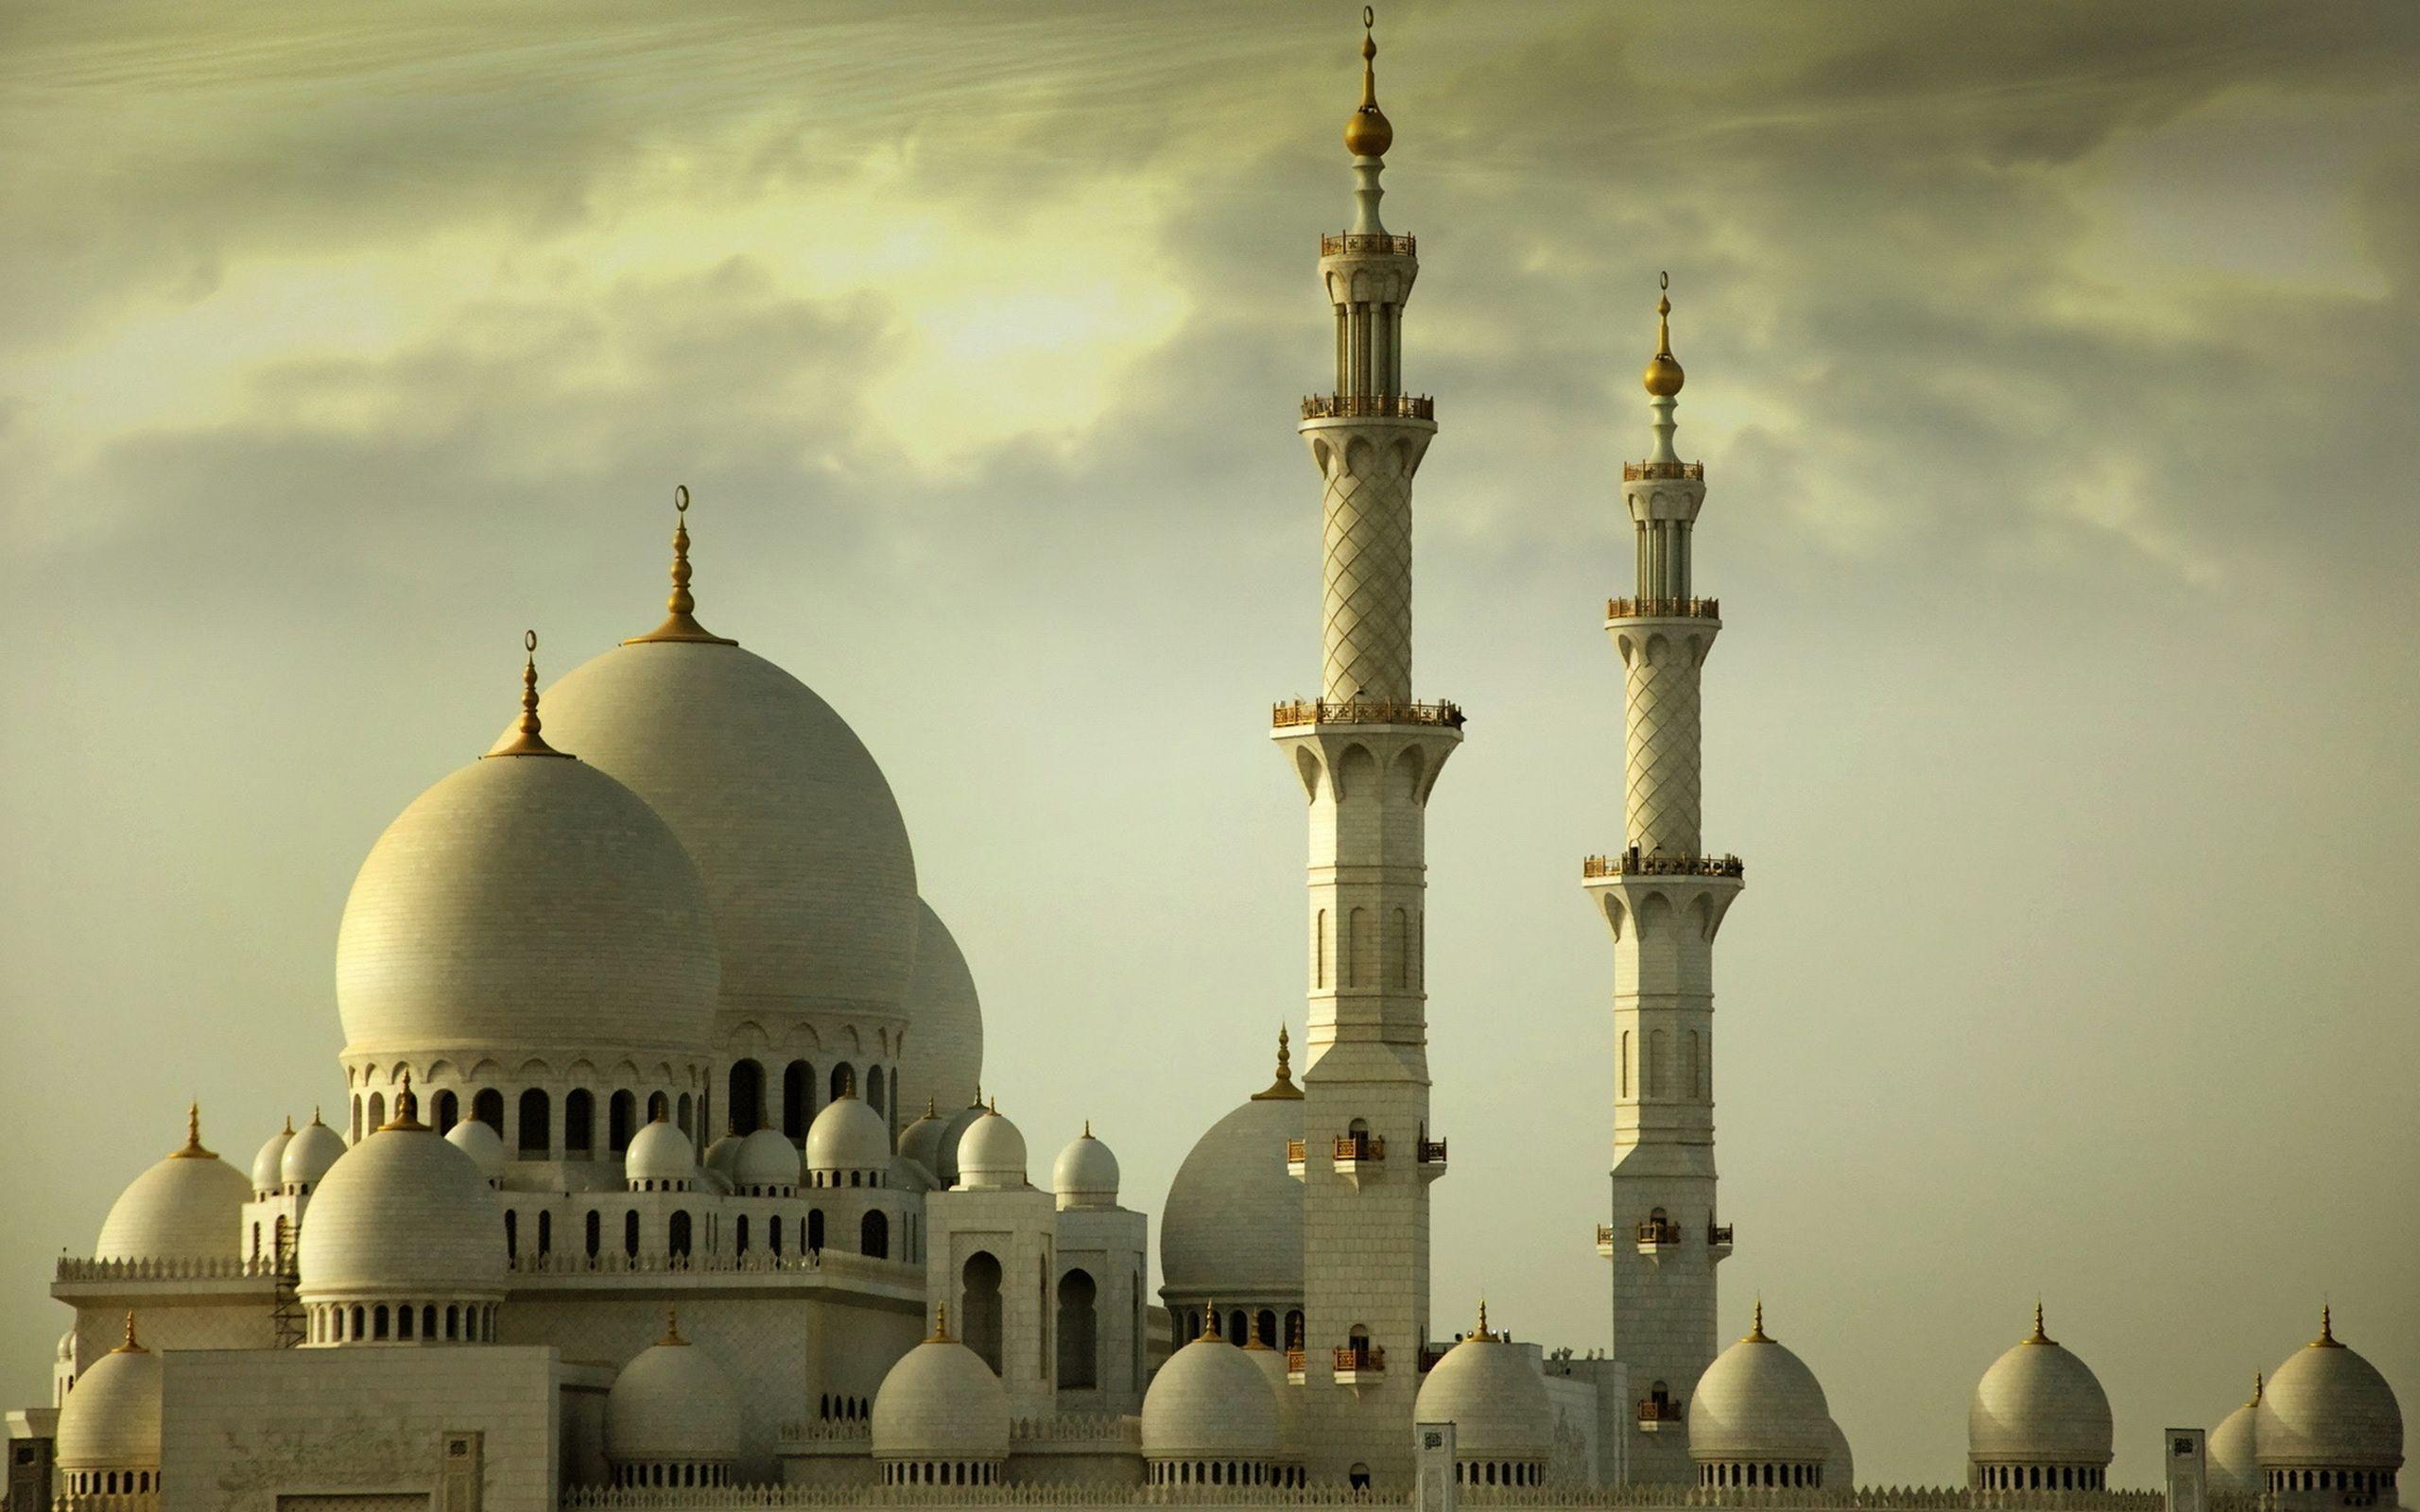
2054	367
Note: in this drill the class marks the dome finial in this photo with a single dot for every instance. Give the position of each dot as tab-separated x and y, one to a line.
289	1123
1209	1321
681	622
2038	1337
406	1110
193	1150
1484	1336
1284	1085
1756	1334
2258	1387
2327	1339
672	1327
526	741
1663	377
940	1324
1088	1128
1367	131
130	1346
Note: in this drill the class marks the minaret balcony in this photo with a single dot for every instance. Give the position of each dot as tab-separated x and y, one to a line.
1631	863
1369	406
1605	1240
1656	1415
1655	1238
1296	1364
1431	1159
1663	609
1717	1239
1359	1155
1361	1365
1363	712
1296	1156
1644	472
1367	244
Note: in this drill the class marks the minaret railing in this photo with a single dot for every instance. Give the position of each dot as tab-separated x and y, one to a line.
1663	609
1632	862
1642	472
1363	712
1366	244
1369	406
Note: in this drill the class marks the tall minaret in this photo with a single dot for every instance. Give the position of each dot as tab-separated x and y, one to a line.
1367	755
1664	897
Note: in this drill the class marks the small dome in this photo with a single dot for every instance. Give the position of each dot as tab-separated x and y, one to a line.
1491	1390
942	1061
941	1402
404	1215
1293	1433
1232	1225
528	905
482	1143
1086	1174
314	1149
921	1141
1839	1466
67	1348
1210	1401
266	1164
806	866
2235	1448
2038	1404
672	1405
722	1156
2327	1407
765	1158
660	1152
187	1207
1759	1402
954	1129
110	1422
848	1136
990	1153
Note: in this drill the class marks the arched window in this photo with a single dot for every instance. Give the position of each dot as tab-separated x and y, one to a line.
534	1134
511	1234
1361	949
1625	1064
683	1115
1657	1054
630	1234
1318	949
377	1115
979	1305
1264	1328
873	1090
798	1100
775	1240
747	1106
580	1123
740	1233
448	1111
1400	948
679	1237
596	1233
1358	1343
1079	1332
1236	1326
1694	1070
545	1232
487	1105
621	1118
874	1235
815	1229
844	1080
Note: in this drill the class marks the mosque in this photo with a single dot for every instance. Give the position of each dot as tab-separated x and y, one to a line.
663	1175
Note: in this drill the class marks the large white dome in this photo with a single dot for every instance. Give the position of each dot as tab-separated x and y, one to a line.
808	869
941	1402
2038	1404
942	1063
526	904
405	1214
1757	1401
1491	1390
2328	1408
187	1207
111	1419
1210	1401
672	1405
1233	1226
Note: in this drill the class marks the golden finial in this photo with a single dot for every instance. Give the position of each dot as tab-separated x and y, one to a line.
2327	1339
1088	1128
406	1110
1284	1085
1367	131
130	1346
1482	1334
315	1116
681	623
940	1324
193	1150
2038	1335
993	1106
1209	1321
289	1126
2258	1387
526	741
930	1110
672	1328
1663	376
1756	1334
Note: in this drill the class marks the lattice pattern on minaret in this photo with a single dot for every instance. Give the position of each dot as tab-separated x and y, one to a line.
1368	575
1661	767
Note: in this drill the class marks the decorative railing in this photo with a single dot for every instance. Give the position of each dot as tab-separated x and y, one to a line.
1296	1152
1364	712
826	1433
1631	863
1369	406
1295	1361
1640	471
1433	1152
1717	1235
1653	1411
755	1261
1663	609
1361	1357
1078	1427
1088	1498
1430	1354
216	1268
1605	1233
1366	244
1651	1233
1360	1147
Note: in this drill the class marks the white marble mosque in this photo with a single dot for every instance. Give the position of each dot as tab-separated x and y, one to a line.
661	1173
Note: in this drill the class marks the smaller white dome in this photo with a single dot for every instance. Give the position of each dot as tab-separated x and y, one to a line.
1759	1401
310	1154
921	1141
847	1136
1293	1433
2328	1408
2235	1448
187	1207
2038	1404
482	1143
67	1348
110	1422
954	1129
658	1152
672	1405
1086	1174
266	1164
990	1153
941	1402
405	1215
1210	1401
722	1156
767	1159
1839	1466
1492	1393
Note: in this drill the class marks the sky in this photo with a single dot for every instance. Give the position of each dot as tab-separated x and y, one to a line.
2053	366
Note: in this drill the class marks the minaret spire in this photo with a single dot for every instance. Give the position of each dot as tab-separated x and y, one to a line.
526	741
1368	134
